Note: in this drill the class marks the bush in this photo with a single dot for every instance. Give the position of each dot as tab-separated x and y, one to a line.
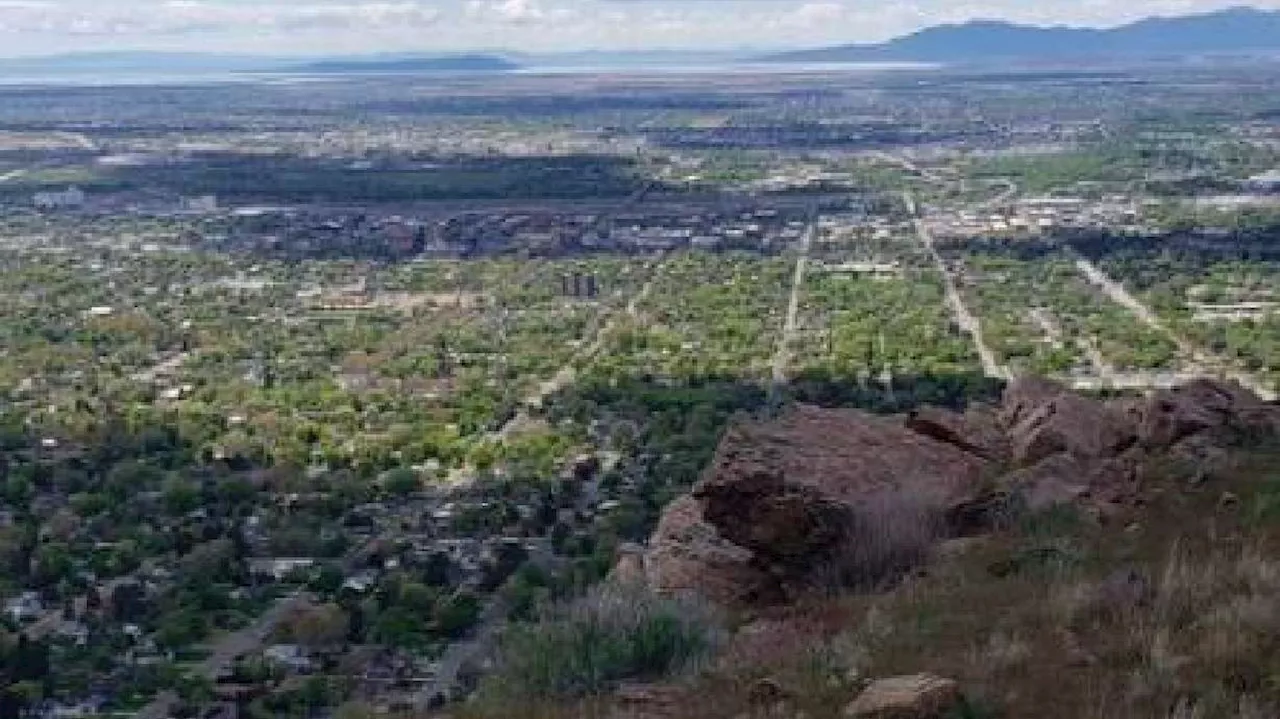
613	633
888	534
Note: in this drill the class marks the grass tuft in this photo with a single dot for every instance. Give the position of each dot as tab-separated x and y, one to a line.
615	633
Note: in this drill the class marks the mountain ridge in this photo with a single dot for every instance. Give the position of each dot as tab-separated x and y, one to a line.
1234	30
148	62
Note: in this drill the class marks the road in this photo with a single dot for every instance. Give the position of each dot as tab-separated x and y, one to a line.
458	654
1047	324
461	476
782	358
167	367
906	163
967	322
1010	191
1202	358
229	648
80	139
910	166
1107	375
566	374
1101	366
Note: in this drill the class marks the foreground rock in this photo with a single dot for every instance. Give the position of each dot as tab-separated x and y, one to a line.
1210	410
1044	418
787	503
688	555
919	696
788	489
977	431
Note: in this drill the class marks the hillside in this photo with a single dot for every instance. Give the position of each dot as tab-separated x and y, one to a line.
1236	30
1054	556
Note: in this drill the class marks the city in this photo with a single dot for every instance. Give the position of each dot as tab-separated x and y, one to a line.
310	390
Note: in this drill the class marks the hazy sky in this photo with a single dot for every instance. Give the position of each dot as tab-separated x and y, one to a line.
348	26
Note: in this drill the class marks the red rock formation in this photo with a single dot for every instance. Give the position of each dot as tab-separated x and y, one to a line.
686	554
786	489
1044	418
816	486
977	431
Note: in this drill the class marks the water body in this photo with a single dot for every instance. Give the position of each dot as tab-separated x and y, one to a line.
221	77
732	68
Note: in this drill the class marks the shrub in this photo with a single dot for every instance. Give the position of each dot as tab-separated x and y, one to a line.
888	534
614	633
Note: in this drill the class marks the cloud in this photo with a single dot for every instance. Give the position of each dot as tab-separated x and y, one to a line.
516	12
815	14
186	17
330	26
510	11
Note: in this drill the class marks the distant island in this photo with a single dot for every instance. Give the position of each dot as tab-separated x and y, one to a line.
1234	31
447	63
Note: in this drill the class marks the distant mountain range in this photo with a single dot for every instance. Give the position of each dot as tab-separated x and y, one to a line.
170	63
133	62
1236	30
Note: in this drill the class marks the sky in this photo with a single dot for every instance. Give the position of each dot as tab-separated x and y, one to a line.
330	27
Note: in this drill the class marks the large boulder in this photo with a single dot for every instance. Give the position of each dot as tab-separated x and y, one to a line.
789	490
1060	479
919	696
1044	418
1205	407
977	431
687	555
821	496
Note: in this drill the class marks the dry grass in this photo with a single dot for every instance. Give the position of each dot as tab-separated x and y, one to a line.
888	534
1175	615
615	633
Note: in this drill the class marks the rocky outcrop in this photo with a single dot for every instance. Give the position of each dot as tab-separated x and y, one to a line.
688	555
1043	418
919	696
1221	410
786	489
977	431
629	568
819	487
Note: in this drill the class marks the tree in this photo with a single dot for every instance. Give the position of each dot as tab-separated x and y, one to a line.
399	627
129	478
236	491
437	570
401	482
319	627
128	602
181	628
355	710
52	564
13	550
328	580
458	615
195	690
208	562
19	697
181	496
